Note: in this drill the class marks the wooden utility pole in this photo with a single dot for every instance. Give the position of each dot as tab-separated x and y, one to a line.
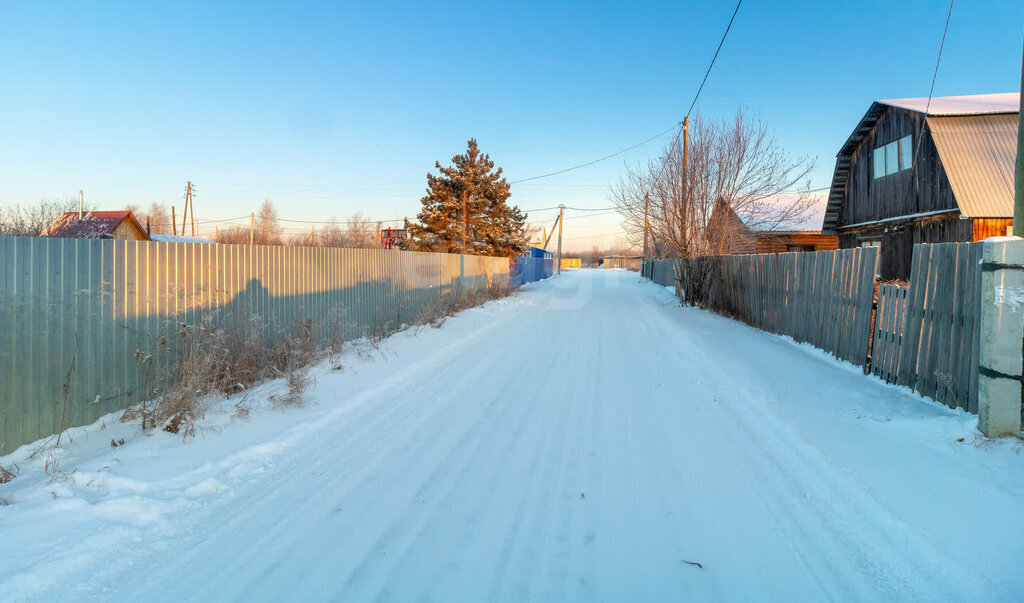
174	222
252	228
647	205
465	199
558	265
686	150
191	210
1018	181
184	212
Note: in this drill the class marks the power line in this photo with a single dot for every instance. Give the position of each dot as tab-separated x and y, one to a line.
660	134
712	64
583	165
927	107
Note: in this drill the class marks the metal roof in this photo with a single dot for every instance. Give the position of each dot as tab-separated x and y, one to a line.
975	104
984	107
92	225
978	154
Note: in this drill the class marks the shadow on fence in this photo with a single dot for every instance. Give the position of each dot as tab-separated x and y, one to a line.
101	305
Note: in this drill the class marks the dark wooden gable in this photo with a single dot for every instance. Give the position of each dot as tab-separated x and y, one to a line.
925	188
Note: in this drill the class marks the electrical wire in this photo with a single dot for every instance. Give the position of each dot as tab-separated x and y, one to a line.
660	134
714	58
589	163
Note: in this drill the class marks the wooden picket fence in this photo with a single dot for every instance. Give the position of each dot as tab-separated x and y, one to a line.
926	336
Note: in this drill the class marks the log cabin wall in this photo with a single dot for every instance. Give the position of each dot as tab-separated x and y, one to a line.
785	242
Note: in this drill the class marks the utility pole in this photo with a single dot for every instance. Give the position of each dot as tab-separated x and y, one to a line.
465	199
686	150
647	205
184	212
252	227
81	204
558	265
1018	181
174	222
191	210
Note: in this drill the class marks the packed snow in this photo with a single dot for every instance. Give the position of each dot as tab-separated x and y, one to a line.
587	439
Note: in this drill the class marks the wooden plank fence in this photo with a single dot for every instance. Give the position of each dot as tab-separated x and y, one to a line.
823	298
924	336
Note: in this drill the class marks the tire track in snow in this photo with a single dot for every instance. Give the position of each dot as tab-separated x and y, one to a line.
356	428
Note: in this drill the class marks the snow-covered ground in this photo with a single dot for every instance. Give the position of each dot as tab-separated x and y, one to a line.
588	439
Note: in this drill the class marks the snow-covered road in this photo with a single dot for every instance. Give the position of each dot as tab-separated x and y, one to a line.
587	439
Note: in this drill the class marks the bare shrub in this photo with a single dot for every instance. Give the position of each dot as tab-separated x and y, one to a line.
299	381
7	474
296	350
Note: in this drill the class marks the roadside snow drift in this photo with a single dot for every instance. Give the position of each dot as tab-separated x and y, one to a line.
588	439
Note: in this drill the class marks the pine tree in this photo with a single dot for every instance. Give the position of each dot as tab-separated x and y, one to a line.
493	227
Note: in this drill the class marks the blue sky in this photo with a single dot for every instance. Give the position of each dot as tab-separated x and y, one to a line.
332	108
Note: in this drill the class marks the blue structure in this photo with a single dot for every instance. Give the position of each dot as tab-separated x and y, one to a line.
534	265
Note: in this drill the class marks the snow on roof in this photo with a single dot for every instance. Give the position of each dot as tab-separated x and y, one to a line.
166	238
975	104
92	225
806	221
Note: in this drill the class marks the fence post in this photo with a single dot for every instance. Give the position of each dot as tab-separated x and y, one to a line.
1002	329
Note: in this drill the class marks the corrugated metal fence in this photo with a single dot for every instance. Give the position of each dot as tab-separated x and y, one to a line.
621	263
98	302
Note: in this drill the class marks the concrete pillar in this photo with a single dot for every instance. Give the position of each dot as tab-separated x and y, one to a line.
1002	330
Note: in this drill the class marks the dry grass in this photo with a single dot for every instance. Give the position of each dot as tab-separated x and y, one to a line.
437	312
7	474
205	359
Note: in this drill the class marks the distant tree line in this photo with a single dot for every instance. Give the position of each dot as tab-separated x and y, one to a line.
31	220
465	210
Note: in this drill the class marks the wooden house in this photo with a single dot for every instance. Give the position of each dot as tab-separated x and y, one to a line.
915	171
728	234
120	225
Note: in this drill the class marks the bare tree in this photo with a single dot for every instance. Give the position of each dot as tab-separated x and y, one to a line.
233	235
157	216
359	231
30	221
267	231
736	179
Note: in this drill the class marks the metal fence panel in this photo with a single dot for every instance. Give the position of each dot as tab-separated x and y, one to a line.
104	305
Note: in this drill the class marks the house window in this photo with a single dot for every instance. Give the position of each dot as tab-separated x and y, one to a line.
893	157
906	156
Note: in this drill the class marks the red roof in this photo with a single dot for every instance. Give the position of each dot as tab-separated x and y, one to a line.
93	225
